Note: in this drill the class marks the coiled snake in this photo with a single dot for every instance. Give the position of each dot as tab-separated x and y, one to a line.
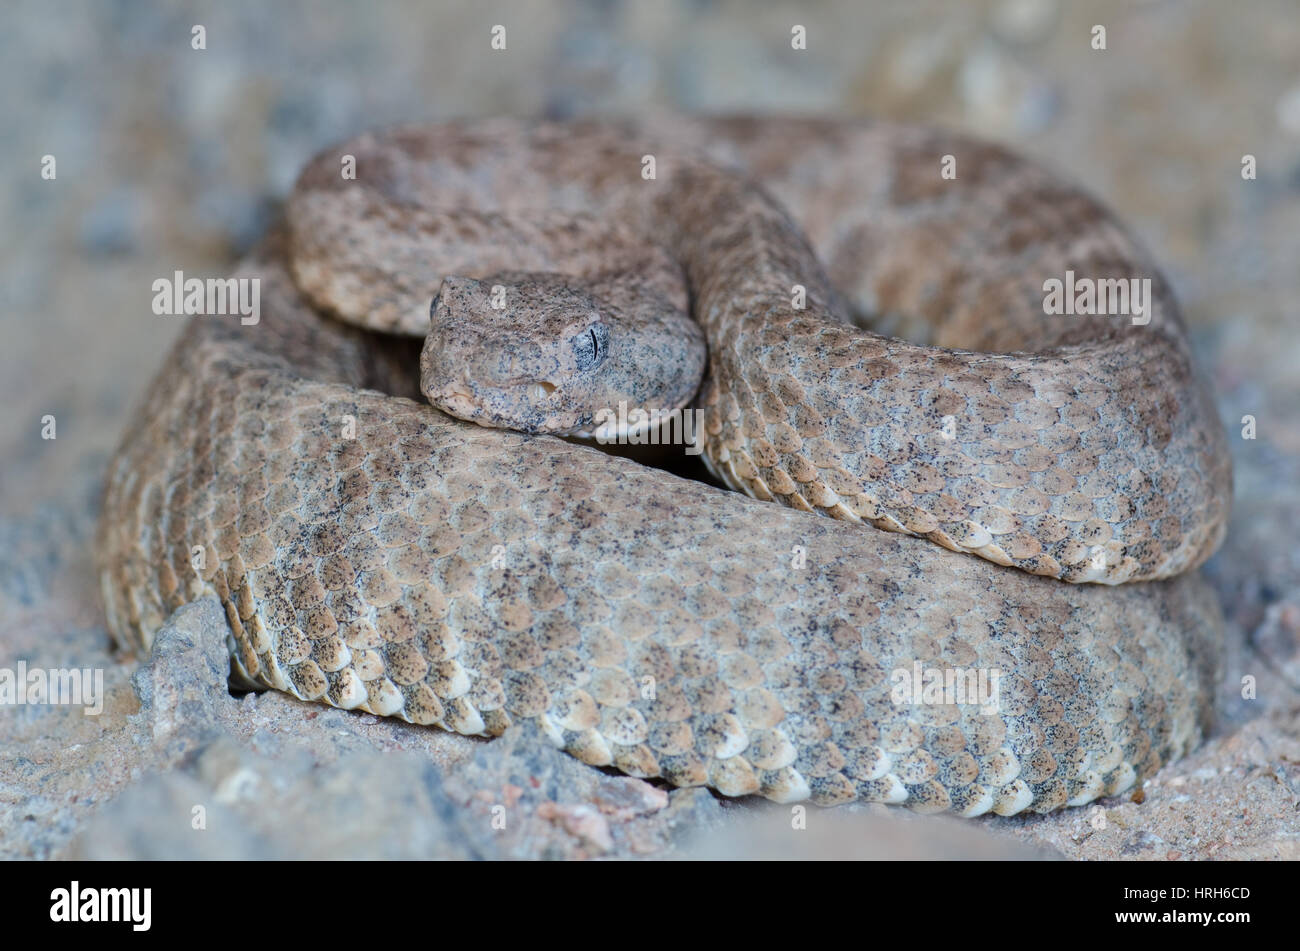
374	552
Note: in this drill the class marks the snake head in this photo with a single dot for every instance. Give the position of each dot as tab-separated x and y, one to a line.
544	353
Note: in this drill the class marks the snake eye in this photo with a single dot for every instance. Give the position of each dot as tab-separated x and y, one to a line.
591	347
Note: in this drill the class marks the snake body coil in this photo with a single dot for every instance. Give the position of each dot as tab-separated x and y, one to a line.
375	553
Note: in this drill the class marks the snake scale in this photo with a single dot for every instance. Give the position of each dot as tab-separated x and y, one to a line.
980	477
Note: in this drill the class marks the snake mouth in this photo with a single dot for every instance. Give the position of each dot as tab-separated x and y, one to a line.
520	405
464	391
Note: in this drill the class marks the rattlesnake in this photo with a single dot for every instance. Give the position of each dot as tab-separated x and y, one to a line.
374	553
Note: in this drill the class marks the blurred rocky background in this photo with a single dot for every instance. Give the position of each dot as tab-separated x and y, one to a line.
170	157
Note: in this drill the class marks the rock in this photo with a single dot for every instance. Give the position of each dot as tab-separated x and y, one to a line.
1278	639
801	833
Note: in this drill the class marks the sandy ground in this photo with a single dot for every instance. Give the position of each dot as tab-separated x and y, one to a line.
168	158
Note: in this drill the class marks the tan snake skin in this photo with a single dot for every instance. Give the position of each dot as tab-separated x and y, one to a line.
374	553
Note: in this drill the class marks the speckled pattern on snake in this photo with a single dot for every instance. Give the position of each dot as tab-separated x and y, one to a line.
1025	495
